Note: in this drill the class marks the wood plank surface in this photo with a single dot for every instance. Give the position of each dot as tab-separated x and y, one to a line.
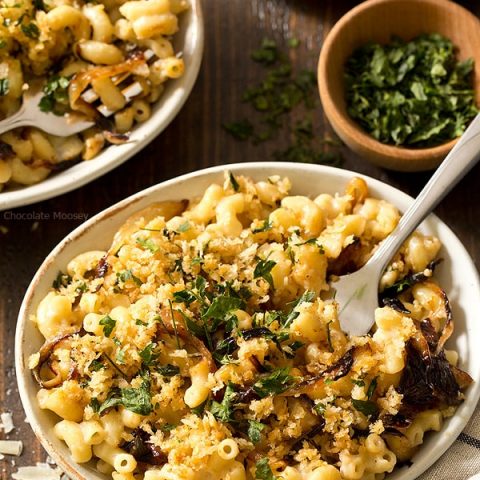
194	140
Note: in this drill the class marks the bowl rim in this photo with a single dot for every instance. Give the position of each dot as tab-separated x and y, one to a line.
163	113
23	374
351	128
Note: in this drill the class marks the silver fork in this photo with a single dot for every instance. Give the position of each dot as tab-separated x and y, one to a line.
30	115
357	293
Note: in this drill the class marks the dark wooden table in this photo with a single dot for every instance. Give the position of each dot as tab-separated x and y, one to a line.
195	140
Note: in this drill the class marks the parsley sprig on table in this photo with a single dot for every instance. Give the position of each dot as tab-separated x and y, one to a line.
411	93
283	92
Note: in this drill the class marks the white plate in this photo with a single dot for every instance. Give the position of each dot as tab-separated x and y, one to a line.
457	274
188	40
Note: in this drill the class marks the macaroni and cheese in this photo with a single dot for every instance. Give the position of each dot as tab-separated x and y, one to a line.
107	61
205	343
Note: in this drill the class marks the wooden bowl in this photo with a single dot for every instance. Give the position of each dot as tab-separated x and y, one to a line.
377	21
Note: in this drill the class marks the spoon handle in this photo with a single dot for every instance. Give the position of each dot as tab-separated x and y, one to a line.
456	165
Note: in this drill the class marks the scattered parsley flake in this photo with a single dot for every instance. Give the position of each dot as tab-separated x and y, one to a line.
108	324
255	430
241	130
277	382
222	305
96	365
147	354
127	275
233	182
263	269
55	95
168	370
371	388
367	407
359	383
267	225
30	30
263	470
148	243
224	411
62	280
4	86
307	296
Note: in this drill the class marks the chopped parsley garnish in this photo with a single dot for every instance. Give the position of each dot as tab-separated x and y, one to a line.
263	470
127	275
371	388
108	324
147	244
4	86
292	348
263	269
96	365
277	382
280	92
120	357
307	296
367	407
267	225
95	404
137	400
167	427
55	95
222	305
168	370
30	30
147	355
359	383
224	411
141	323
267	54
62	280
81	287
233	182
255	431
184	296
240	130
320	408
413	93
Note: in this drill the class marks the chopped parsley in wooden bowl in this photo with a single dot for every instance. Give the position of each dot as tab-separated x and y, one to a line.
400	80
413	93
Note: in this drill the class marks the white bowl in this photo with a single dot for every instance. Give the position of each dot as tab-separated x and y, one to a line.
188	40
457	275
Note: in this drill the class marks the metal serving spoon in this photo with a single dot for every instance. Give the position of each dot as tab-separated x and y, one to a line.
357	293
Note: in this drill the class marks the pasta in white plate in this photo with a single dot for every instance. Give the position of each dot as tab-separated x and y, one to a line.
115	53
205	343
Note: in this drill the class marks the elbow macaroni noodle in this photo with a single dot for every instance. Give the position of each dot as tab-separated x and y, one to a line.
91	47
205	344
